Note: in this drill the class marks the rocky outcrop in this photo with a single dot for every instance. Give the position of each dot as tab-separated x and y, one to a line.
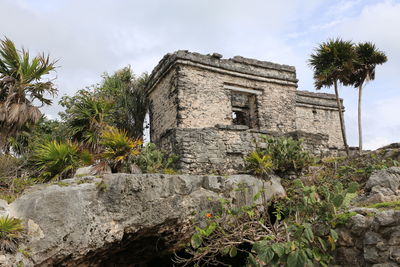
120	218
372	237
382	186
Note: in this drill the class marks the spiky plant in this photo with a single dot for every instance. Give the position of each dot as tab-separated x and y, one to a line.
118	147
86	117
11	231
56	160
259	163
20	87
332	63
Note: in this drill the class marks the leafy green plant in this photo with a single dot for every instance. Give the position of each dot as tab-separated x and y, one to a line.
153	160
287	155
118	148
259	164
56	160
11	231
302	235
31	135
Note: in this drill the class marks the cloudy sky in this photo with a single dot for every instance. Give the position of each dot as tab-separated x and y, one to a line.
90	37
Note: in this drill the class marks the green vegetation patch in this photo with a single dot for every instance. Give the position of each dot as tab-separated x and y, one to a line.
343	218
386	205
281	155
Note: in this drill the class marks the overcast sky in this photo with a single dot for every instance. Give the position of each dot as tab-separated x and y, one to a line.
90	37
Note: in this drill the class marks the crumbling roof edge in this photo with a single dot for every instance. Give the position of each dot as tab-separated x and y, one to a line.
216	60
311	98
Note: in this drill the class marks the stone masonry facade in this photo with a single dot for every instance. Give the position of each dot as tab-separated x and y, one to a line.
211	111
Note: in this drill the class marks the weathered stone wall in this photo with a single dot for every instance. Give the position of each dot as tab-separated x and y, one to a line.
192	93
370	239
200	98
163	105
222	149
204	102
318	113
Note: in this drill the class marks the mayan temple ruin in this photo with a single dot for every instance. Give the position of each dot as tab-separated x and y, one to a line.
211	111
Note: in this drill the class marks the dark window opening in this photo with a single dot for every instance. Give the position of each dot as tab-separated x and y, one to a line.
244	110
240	117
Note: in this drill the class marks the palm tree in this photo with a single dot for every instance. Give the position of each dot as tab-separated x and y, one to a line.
368	56
21	88
332	63
130	100
86	116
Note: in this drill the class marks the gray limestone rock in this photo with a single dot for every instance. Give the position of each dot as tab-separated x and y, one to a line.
94	221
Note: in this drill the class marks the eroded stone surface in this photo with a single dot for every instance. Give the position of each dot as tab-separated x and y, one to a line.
92	221
382	186
374	232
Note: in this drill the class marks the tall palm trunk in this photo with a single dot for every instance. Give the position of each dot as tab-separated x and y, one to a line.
360	142
342	125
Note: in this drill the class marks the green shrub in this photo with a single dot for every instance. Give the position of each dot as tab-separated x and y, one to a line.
118	148
9	166
152	160
56	160
13	177
12	187
287	154
301	234
259	164
11	230
358	168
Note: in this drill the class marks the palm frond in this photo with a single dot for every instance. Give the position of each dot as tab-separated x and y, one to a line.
20	86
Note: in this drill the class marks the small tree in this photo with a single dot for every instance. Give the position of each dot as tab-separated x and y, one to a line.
20	86
332	63
368	56
130	100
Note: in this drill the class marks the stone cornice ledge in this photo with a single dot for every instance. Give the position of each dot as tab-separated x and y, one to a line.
251	68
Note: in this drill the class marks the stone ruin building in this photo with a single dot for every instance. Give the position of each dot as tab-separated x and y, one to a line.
212	111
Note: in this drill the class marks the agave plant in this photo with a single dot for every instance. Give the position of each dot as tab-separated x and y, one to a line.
57	160
11	231
118	147
20	87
